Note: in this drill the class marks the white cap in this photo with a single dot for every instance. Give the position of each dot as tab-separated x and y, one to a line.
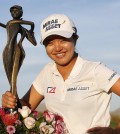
57	24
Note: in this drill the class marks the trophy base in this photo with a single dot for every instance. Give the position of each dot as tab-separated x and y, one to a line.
11	110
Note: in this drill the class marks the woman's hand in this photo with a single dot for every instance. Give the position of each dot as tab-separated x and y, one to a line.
9	100
101	130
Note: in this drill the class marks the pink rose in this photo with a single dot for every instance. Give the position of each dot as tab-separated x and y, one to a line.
60	126
29	122
47	129
10	129
49	116
35	114
18	122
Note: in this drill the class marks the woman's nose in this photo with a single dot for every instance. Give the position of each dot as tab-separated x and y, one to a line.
58	46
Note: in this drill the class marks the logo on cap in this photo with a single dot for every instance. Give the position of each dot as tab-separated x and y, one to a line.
51	25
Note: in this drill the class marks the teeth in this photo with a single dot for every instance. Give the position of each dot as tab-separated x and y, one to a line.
59	54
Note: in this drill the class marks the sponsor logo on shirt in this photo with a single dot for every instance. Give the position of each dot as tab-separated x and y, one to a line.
112	76
51	89
77	88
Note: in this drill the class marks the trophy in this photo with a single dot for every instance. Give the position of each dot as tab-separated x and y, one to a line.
13	53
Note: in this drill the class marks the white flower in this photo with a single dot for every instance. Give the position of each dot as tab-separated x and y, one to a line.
47	129
29	122
25	111
42	124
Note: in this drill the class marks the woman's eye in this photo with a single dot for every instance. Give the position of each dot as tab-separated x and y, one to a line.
48	44
63	41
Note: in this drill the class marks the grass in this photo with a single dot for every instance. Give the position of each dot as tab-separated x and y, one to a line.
113	124
114	121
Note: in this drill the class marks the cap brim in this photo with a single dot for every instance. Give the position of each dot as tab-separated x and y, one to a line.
65	34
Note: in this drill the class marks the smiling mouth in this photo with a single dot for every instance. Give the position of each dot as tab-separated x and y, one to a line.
60	55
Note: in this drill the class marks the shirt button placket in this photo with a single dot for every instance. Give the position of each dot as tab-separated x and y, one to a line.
63	92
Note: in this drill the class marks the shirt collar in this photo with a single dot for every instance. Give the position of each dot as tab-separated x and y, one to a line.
77	67
55	70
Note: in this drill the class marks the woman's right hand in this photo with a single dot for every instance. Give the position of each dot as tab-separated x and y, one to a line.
9	100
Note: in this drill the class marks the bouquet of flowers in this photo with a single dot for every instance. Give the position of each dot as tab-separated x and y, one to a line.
26	121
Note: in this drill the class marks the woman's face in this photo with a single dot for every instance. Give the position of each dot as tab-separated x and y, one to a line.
16	13
60	49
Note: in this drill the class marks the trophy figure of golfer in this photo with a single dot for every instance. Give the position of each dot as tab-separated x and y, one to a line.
13	53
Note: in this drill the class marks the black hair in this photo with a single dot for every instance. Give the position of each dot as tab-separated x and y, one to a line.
75	37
